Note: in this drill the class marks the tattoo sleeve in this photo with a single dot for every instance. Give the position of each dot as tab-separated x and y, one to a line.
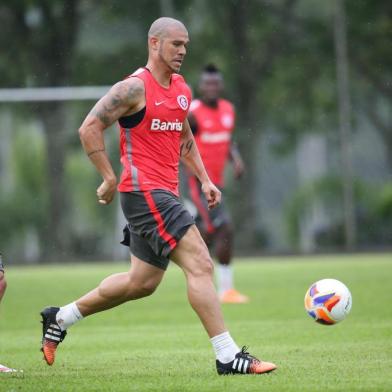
95	152
116	102
185	148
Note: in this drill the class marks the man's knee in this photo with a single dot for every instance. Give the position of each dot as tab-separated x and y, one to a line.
142	288
127	286
207	266
146	288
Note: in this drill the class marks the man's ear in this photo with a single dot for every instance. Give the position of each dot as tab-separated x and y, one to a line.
154	43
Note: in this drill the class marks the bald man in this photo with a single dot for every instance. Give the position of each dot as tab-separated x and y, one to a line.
151	107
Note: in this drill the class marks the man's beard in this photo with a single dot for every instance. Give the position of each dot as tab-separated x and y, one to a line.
170	66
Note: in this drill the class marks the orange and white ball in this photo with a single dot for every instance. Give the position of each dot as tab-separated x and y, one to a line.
328	301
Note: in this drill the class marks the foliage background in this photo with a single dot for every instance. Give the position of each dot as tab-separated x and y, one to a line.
279	63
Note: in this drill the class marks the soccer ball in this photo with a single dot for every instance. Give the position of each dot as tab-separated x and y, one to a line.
328	301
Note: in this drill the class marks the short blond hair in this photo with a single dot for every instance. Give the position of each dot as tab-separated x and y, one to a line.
160	26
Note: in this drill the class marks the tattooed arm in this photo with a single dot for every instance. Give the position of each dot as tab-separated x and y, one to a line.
123	98
190	156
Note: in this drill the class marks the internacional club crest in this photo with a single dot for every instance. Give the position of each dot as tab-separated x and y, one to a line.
183	102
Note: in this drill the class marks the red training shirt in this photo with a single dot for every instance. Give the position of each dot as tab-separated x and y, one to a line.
150	151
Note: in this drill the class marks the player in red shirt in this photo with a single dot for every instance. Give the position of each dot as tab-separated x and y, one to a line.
212	120
151	107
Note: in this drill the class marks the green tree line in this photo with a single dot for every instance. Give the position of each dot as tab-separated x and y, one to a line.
279	63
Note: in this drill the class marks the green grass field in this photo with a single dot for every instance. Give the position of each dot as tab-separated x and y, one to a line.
157	344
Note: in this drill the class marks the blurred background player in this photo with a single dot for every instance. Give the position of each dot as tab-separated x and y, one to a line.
3	286
212	120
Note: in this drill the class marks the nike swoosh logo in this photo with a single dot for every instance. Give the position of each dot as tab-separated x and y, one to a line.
158	103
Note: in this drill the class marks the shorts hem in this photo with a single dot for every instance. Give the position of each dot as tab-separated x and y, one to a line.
153	263
167	249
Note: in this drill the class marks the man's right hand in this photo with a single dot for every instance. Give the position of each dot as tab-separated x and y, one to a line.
124	98
106	191
212	194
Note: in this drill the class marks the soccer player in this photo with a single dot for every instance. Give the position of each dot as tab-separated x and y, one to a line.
3	286
151	106
212	120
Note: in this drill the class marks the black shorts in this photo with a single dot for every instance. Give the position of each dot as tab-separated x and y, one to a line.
207	220
157	220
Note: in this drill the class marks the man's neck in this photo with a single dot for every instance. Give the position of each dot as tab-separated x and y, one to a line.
161	74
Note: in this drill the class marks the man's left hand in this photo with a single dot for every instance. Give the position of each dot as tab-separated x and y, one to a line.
212	194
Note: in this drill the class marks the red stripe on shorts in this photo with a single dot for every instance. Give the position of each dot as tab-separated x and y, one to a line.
195	195
160	223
